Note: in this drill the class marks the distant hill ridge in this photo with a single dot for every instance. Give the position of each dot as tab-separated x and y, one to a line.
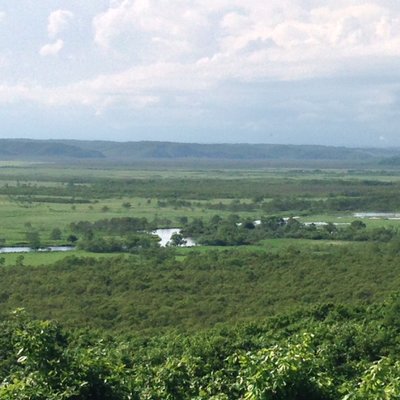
21	148
76	149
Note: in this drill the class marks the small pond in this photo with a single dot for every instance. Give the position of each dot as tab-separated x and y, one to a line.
166	234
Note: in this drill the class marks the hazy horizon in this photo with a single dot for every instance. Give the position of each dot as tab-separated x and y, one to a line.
221	71
195	142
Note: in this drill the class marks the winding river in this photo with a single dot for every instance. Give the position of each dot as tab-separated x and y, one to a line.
164	234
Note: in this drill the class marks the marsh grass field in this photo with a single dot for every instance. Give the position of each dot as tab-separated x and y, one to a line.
41	199
259	274
91	193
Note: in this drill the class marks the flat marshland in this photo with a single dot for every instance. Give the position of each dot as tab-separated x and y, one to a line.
281	264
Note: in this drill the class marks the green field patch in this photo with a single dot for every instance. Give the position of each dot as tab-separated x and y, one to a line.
37	258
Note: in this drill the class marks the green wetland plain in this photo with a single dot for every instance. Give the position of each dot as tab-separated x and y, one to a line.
291	292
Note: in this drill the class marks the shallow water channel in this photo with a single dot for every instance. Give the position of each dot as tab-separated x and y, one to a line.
164	234
378	215
7	250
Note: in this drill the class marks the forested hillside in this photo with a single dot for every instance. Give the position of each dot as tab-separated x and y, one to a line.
321	353
42	149
155	291
130	151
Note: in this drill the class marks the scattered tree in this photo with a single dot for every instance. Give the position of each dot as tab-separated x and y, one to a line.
126	205
33	239
177	239
55	234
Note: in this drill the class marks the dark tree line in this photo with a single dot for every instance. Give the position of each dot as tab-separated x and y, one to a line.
234	231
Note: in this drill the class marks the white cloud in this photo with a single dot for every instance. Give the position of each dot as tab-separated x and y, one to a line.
161	30
58	21
178	47
90	94
51	49
3	58
281	39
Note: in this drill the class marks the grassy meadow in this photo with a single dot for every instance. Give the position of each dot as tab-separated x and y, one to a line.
146	322
91	193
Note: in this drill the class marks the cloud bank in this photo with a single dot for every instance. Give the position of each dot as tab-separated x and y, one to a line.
197	45
139	54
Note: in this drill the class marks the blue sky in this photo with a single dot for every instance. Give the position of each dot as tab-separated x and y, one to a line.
287	71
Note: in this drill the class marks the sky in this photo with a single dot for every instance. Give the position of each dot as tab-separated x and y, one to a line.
206	71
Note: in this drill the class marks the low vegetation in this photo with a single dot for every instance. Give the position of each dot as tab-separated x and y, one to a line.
268	305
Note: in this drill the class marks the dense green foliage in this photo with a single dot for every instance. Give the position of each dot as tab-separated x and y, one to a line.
283	309
156	290
115	235
234	231
322	353
116	226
